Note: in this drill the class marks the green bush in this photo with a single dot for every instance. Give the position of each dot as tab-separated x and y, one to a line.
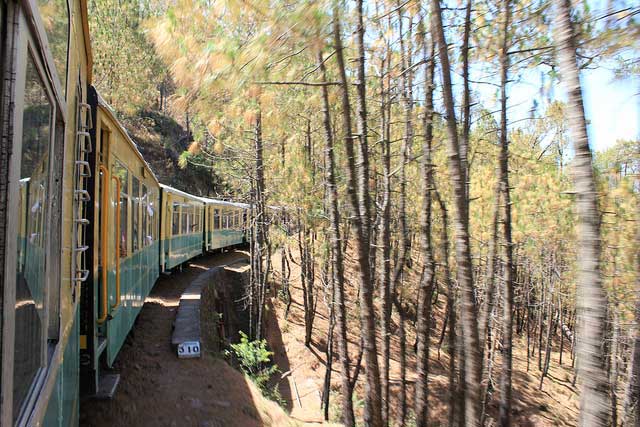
255	361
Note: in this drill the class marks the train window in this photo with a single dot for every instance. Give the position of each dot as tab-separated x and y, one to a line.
135	213
55	17
184	217
146	234
151	210
29	345
123	235
189	227
175	219
216	219
104	144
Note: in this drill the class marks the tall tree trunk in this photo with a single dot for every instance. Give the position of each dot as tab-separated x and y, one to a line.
452	340
326	389
373	414
487	307
469	316
632	393
407	103
260	226
423	328
385	231
336	247
466	101
507	268
591	299
613	364
402	338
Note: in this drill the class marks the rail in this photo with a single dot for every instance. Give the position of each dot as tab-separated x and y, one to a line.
104	217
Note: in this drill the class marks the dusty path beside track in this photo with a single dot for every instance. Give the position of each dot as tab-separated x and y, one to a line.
158	389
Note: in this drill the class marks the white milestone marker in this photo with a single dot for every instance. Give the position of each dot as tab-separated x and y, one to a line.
189	349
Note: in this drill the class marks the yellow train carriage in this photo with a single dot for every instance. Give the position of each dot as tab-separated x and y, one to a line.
181	228
124	247
45	67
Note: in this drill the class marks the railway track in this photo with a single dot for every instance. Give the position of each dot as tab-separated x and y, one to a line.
157	388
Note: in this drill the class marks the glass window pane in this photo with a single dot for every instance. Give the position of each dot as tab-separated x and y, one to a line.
55	17
146	235
175	222
135	211
32	205
122	173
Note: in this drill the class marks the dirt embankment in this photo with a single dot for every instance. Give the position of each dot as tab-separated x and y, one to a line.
158	389
555	405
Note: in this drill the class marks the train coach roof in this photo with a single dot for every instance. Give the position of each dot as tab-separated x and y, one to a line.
107	108
170	189
225	203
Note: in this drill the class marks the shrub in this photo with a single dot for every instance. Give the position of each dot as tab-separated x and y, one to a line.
255	361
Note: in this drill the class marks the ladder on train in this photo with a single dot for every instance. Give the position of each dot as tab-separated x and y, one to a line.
82	197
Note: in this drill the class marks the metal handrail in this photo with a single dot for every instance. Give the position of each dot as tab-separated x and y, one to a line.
118	296
103	244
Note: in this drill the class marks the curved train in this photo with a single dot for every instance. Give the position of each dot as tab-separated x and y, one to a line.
85	226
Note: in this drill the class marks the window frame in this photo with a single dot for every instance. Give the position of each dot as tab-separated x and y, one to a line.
28	35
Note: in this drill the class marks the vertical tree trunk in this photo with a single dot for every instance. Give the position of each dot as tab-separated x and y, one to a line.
487	306
452	341
613	364
632	393
507	267
373	414
407	103
326	389
260	227
466	101
336	247
402	338
385	231
591	300
463	251
423	328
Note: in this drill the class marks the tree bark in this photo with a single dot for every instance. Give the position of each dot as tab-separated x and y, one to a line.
384	271
591	298
507	268
452	339
336	247
632	393
463	251
423	328
372	413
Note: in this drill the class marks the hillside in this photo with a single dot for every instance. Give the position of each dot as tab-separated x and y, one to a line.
556	404
161	140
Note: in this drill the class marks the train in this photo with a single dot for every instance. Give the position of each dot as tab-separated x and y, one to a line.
86	228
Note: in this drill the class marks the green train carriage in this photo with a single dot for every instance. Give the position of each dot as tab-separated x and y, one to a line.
46	67
123	247
225	223
83	236
182	227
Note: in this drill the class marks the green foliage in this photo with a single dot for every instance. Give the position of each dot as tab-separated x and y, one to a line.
126	67
255	361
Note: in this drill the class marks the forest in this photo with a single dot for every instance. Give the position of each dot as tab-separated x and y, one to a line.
432	171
